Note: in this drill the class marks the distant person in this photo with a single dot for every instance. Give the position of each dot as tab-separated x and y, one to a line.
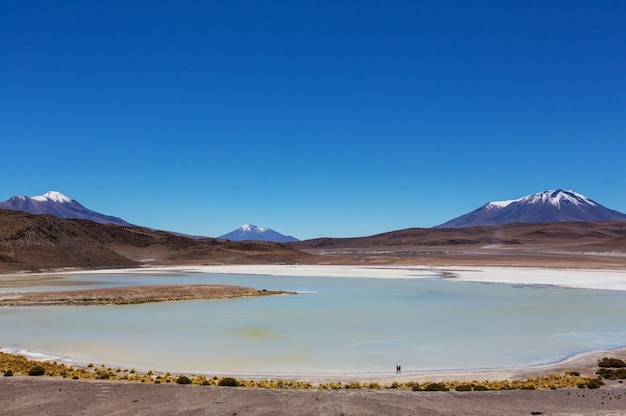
399	369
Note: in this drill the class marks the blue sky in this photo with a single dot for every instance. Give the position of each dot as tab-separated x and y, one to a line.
314	118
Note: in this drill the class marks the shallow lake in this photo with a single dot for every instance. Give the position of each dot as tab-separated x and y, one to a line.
338	325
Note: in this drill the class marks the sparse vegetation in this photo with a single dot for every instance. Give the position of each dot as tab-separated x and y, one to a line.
228	382
104	375
607	362
611	369
37	371
436	387
594	383
183	380
620	374
18	364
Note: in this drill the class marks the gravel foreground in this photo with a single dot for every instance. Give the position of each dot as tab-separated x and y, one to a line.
48	396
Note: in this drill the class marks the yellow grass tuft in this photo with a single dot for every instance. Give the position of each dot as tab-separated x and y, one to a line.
20	365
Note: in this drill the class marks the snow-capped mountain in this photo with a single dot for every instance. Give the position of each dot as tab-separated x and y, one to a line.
59	205
254	233
548	206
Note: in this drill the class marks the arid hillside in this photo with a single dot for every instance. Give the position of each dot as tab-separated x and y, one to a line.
563	233
576	244
43	242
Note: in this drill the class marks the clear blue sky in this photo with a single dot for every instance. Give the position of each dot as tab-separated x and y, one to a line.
314	118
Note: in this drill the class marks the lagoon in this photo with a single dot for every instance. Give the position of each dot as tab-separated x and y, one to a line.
337	325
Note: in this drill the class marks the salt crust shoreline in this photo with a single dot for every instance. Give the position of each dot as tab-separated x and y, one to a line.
570	278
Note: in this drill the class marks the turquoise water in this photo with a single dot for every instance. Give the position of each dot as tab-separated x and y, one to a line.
339	325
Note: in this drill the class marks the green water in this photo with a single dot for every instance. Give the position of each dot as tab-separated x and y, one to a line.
341	325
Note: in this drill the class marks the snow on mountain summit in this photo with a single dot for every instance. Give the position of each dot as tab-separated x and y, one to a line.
553	197
559	196
52	196
252	228
548	206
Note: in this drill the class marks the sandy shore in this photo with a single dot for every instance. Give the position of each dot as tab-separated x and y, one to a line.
585	363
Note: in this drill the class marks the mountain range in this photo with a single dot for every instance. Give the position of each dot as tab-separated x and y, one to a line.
62	206
44	242
254	233
544	207
59	205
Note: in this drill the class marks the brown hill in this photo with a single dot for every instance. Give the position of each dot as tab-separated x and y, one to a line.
576	244
568	233
43	242
36	242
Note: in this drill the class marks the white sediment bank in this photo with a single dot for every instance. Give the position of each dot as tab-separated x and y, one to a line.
573	278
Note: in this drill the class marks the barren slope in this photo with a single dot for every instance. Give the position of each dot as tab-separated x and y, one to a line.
593	245
35	242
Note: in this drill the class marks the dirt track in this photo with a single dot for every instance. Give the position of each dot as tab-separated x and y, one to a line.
46	396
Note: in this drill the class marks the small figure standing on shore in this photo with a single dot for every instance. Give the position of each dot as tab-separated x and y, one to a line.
398	369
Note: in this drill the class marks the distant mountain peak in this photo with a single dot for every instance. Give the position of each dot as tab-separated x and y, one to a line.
59	205
254	233
549	206
53	196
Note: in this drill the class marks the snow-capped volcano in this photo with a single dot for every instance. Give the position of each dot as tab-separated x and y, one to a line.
59	205
52	196
254	233
552	197
549	206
